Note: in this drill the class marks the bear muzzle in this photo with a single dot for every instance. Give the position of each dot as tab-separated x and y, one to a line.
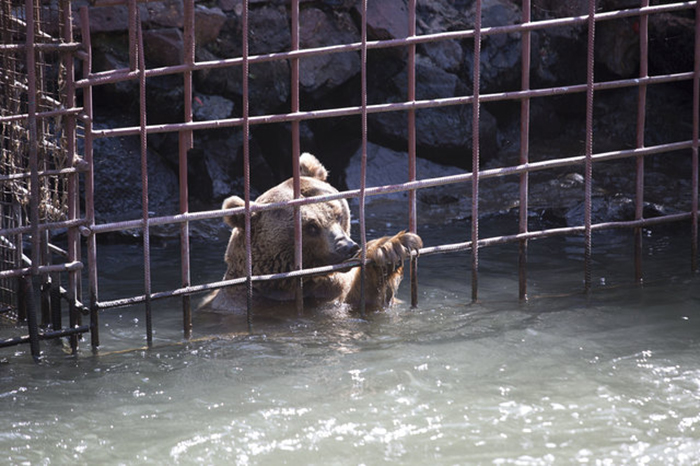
346	248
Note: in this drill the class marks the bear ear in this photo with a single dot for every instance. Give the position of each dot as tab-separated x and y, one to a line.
236	220
310	166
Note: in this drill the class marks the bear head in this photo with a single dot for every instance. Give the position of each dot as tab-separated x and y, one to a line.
325	225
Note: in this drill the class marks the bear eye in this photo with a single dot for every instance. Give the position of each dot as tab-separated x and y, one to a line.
312	228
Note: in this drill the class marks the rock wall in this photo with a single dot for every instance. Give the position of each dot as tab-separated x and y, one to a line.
443	69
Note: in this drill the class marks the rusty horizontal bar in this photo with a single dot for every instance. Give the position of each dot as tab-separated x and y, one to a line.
67	267
40	115
43	227
43	47
48	335
426	251
62	171
224	283
551	232
380	108
395	188
126	74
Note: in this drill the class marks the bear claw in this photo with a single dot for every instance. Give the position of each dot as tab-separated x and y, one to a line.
392	251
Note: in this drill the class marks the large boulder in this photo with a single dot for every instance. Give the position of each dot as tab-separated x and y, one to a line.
207	24
440	132
163	47
269	82
321	73
500	56
386	167
387	19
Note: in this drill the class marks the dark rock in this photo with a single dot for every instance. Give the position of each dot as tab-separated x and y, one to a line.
614	209
617	46
109	52
207	23
216	167
231	5
387	19
668	117
237	5
268	83
544	9
163	47
671	43
559	53
500	54
386	167
109	19
559	57
275	144
445	54
168	13
218	80
439	16
440	132
211	107
165	99
268	27
321	73
117	175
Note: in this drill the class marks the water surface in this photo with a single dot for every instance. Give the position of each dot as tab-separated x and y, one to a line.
612	377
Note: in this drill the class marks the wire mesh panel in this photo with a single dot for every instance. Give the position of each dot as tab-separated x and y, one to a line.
37	154
14	193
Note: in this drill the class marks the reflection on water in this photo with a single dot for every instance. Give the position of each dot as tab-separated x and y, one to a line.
612	378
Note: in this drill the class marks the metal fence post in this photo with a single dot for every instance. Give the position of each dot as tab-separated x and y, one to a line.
475	152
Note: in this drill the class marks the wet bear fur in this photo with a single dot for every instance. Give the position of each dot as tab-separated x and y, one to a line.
325	241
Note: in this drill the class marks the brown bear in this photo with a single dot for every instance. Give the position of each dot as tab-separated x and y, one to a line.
325	241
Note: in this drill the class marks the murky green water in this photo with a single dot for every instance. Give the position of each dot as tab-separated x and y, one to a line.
612	378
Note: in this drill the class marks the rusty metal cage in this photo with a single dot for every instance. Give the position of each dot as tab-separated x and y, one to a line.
38	178
42	168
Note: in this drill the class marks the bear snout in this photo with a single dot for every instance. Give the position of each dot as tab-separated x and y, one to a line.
346	248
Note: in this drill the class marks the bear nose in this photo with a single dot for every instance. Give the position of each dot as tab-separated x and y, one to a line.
347	248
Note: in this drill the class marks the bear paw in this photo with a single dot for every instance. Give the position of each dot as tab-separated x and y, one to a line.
390	252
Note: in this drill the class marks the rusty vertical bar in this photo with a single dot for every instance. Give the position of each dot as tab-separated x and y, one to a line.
588	181
696	130
412	214
524	152
55	301
45	279
45	282
34	170
246	168
90	182
73	182
296	151
144	182
641	119
363	166
475	152
185	144
32	135
133	34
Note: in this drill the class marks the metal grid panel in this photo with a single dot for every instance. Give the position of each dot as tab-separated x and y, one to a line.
187	130
38	181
